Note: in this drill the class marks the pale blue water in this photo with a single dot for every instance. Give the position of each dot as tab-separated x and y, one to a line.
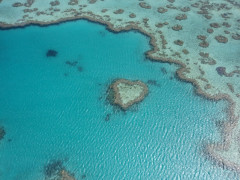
50	110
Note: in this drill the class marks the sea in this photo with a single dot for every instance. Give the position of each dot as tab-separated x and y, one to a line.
54	108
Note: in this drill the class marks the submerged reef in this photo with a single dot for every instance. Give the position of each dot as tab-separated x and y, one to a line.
181	17
55	170
221	70
125	93
107	118
204	44
221	39
236	36
162	10
51	53
177	27
178	42
71	63
153	83
2	133
155	19
79	68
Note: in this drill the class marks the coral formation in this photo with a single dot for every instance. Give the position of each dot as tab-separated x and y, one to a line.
209	30
215	25
71	63
177	27
56	170
125	93
55	3
204	44
144	5
162	10
181	17
119	11
132	15
51	53
201	37
17	4
221	39
236	36
224	19
2	133
178	42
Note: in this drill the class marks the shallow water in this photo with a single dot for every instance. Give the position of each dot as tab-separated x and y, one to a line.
51	110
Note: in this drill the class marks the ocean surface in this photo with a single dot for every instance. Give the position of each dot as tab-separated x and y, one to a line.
55	109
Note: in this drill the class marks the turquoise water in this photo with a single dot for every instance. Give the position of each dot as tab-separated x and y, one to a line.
53	111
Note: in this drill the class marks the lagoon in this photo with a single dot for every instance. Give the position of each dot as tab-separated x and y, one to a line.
55	110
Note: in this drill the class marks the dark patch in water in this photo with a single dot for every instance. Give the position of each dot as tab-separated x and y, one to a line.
71	63
102	33
107	118
2	133
53	168
80	69
221	70
110	96
163	70
153	82
9	140
219	124
66	74
84	176
145	58
51	53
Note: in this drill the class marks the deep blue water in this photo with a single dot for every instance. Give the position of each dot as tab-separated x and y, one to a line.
53	111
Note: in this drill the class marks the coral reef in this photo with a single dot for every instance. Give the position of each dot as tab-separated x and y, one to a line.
181	17
209	30
236	36
215	25
177	27
162	10
185	9
215	17
125	93
185	51
17	4
132	15
119	11
55	170
178	42
107	118
71	63
55	3
153	83
163	70
2	133
201	37
73	2
51	53
144	5
80	69
221	39
204	44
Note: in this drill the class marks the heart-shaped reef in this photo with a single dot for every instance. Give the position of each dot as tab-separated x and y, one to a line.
125	93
